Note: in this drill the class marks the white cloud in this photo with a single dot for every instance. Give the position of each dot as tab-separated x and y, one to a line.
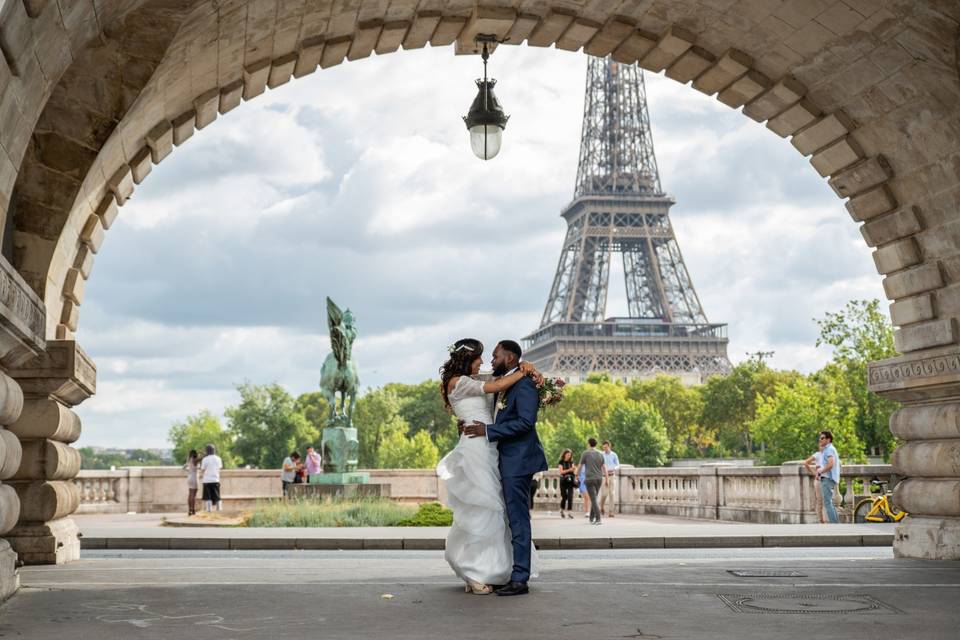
358	183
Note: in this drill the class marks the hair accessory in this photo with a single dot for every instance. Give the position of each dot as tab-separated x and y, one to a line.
453	348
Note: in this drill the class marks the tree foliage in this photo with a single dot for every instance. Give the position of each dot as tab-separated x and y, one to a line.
860	333
787	423
196	432
680	407
637	433
266	426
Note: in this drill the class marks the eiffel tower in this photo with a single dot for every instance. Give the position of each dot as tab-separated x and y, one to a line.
619	207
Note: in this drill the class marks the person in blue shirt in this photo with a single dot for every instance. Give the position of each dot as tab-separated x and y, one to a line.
612	463
829	472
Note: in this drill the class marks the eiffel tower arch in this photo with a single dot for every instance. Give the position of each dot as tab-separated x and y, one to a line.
620	208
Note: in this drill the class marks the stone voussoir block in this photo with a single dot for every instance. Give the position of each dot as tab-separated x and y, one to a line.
891	226
74	285
391	37
580	31
141	164
673	44
731	66
794	118
691	64
775	100
365	38
837	156
183	126
871	204
744	89
70	315
92	233
914	309
925	335
206	106
897	255
822	132
448	30
550	27
912	281
861	177
421	30
334	51
308	58
84	261
255	77
230	96
281	70
160	141
634	47
609	37
121	184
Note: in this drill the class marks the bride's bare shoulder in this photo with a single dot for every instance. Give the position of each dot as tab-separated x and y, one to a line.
452	383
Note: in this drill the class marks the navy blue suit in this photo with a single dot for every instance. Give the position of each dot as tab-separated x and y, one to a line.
521	456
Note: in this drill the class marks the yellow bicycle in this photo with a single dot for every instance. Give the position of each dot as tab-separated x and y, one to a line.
877	508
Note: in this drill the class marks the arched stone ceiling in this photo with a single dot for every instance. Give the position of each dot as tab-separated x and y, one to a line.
868	89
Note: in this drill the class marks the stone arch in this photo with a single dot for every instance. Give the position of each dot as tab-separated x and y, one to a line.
867	89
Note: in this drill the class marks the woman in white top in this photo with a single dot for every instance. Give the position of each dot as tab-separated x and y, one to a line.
478	548
192	466
211	466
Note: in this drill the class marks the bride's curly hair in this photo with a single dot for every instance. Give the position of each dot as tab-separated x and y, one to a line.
462	354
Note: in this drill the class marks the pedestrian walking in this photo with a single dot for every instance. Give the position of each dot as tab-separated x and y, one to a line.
289	472
829	471
811	464
313	463
612	462
568	480
595	476
192	465
210	466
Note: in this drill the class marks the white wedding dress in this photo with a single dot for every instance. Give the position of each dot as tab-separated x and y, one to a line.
478	545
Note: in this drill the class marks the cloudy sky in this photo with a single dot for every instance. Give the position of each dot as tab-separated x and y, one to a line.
358	183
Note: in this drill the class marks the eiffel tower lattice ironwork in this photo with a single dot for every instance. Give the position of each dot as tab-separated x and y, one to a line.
619	207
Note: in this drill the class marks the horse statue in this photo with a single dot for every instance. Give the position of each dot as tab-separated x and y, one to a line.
339	372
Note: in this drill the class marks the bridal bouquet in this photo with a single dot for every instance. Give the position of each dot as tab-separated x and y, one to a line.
550	391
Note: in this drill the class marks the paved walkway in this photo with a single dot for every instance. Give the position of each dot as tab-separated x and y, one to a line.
788	594
145	531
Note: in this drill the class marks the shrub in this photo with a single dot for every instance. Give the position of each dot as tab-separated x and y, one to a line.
430	514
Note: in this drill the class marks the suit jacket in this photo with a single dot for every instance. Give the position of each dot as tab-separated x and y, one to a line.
515	432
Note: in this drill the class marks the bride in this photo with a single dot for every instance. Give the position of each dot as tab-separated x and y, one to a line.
479	543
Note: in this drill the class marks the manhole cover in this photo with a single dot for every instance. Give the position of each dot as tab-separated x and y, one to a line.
806	603
761	573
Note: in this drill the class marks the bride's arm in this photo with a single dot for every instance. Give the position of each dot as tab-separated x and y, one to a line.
504	383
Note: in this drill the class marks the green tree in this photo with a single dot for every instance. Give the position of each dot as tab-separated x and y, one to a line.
421	405
730	403
860	333
680	407
787	422
589	401
266	426
377	415
313	407
637	433
400	451
571	432
196	432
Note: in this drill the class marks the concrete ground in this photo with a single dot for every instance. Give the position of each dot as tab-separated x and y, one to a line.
849	593
144	531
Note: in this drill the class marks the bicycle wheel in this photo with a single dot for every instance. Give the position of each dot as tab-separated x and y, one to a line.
862	509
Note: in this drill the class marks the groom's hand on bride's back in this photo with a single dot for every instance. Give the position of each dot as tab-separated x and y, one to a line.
475	429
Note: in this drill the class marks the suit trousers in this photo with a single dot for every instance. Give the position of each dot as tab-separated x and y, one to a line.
516	495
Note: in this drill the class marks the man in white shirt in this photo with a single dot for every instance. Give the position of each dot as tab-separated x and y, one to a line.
210	468
612	462
829	472
289	472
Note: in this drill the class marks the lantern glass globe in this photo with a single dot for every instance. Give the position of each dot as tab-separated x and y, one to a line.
485	140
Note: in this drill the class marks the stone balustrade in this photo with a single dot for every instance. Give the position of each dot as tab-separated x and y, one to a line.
784	494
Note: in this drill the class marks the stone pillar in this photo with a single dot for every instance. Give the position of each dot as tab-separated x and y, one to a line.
11	403
927	383
52	383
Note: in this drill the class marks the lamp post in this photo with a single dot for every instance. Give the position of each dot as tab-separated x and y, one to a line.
486	120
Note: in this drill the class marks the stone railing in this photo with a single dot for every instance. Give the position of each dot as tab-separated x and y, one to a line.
783	494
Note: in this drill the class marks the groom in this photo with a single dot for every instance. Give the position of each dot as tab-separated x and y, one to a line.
521	455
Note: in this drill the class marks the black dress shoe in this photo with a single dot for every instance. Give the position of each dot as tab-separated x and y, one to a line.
514	589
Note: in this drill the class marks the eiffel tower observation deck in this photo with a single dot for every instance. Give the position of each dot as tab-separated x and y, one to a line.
620	207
